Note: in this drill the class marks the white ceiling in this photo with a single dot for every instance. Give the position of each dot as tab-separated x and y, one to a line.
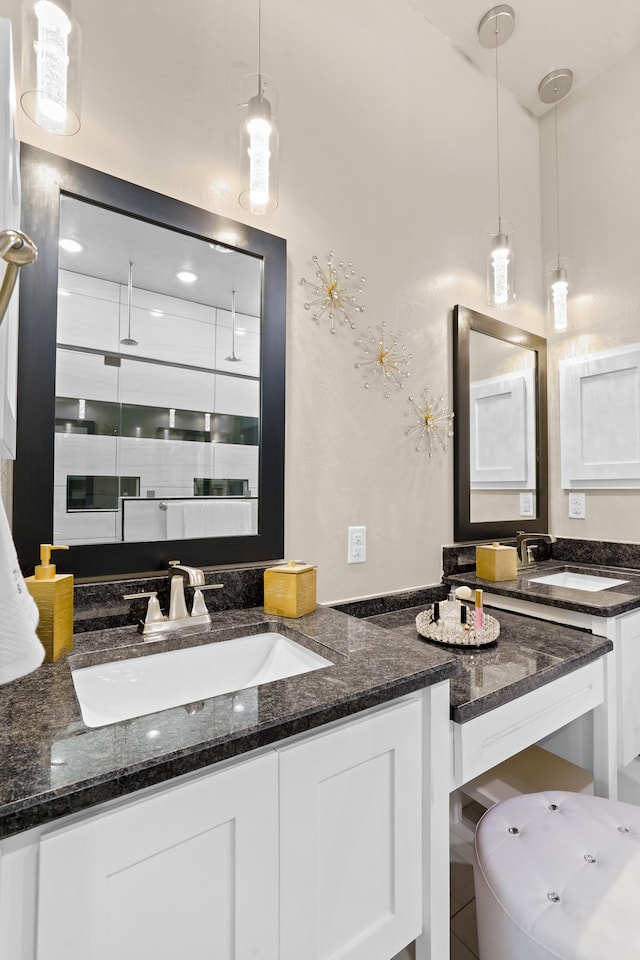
585	35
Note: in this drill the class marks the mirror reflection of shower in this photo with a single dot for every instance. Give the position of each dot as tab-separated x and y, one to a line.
129	341
233	357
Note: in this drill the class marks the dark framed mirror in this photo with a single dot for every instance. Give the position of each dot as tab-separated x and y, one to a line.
151	389
500	441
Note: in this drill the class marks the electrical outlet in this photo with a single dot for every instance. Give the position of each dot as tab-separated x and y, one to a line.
577	506
357	545
526	504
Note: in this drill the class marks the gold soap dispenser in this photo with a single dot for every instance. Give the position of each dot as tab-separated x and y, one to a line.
53	594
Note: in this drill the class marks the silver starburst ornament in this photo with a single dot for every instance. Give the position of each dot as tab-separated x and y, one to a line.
335	291
433	422
387	360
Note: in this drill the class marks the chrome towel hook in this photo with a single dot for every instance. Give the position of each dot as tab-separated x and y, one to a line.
18	251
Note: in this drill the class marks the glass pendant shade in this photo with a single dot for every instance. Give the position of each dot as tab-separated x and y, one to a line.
51	66
259	150
558	290
501	266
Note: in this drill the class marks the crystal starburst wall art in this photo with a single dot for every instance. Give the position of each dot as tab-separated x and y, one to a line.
388	362
334	291
433	423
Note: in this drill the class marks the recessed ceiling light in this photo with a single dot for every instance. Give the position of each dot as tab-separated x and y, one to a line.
186	276
156	313
70	245
63	293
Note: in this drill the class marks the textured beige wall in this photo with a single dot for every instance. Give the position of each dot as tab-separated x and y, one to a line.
598	145
387	158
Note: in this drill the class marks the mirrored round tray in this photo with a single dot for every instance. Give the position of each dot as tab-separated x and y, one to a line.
449	631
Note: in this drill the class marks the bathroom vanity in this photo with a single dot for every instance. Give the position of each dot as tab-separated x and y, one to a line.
307	816
298	818
604	601
507	696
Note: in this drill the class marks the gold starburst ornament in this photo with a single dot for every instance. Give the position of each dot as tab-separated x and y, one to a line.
433	422
387	360
335	291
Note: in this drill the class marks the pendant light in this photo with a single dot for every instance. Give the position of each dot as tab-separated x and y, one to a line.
51	66
259	142
233	356
129	341
494	29
552	89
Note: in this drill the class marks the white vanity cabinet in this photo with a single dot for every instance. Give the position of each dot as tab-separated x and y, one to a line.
350	839
312	848
576	742
190	871
624	631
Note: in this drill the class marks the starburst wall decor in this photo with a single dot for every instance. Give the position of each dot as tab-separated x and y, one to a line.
388	362
432	422
335	291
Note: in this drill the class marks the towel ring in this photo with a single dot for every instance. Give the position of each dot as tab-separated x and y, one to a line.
18	251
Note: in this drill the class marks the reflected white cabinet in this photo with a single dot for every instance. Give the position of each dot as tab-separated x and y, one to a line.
350	839
190	872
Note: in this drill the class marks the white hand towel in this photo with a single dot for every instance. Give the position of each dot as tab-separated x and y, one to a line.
20	650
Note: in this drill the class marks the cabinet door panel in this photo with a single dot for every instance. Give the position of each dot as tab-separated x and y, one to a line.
192	871
626	635
350	839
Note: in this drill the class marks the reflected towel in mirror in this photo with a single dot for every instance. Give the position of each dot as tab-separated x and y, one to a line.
219	517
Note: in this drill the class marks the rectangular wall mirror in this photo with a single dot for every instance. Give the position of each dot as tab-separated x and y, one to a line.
500	443
151	405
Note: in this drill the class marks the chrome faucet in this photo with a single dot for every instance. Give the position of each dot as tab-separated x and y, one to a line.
193	576
525	551
179	620
178	576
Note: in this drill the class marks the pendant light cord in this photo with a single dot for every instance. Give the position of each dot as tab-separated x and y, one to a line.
555	115
498	135
260	47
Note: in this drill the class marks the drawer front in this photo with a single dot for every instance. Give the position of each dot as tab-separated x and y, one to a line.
492	737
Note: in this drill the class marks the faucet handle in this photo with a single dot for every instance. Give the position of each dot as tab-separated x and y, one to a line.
199	607
154	613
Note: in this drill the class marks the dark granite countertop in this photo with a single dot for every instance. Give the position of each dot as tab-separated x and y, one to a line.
601	603
528	654
53	765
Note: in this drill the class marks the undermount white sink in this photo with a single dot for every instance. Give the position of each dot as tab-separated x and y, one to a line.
124	689
578	581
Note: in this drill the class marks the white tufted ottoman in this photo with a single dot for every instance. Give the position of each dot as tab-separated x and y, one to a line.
557	875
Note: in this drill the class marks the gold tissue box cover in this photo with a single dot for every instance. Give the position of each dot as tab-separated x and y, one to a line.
496	562
290	590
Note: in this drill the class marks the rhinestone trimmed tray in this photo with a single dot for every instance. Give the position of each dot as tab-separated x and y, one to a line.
449	630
